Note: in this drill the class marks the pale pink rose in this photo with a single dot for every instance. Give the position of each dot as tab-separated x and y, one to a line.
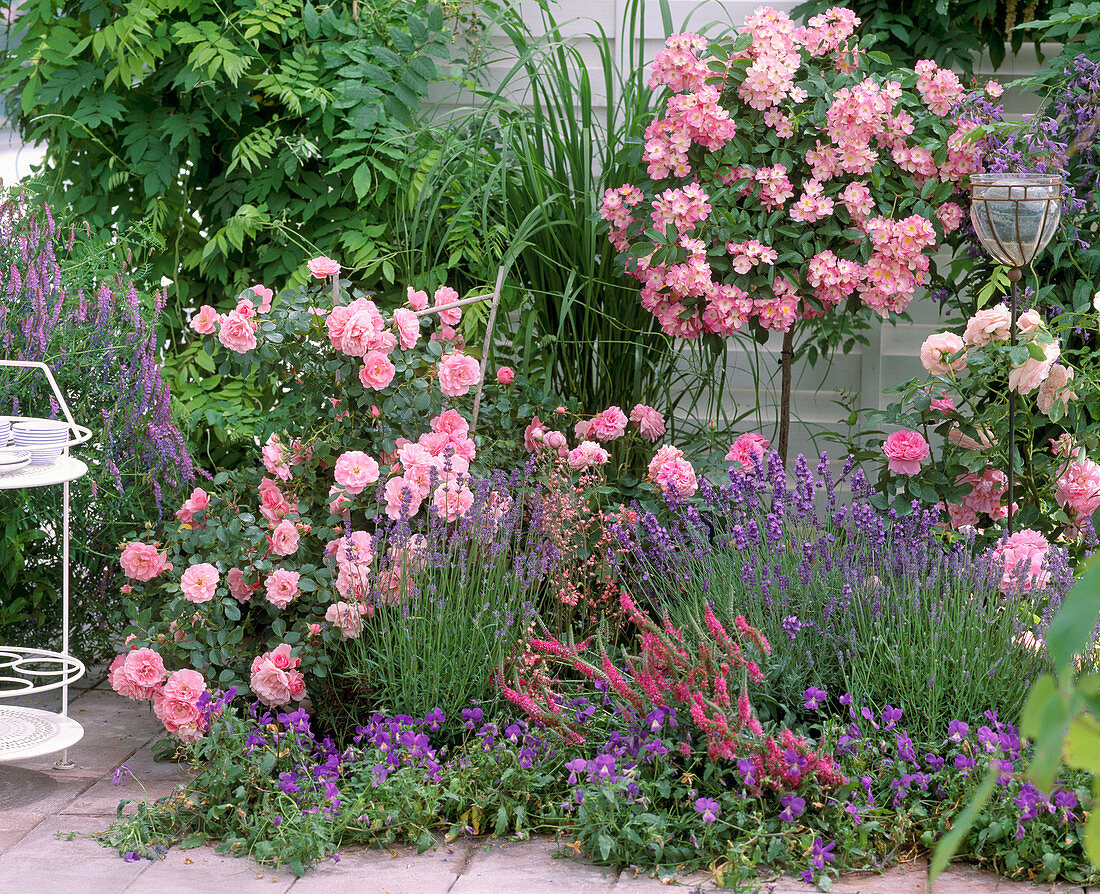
1023	555
355	470
270	684
246	308
1029	321
336	322
323	267
265	295
418	300
451	422
961	516
955	436
555	440
353	580
1078	487
199	582
988	325
651	424
197	502
142	561
532	435
402	498
665	455
1064	446
364	330
987	490
505	375
677	477
186	684
452	501
581	429
205	321
359	547
944	405
345	618
377	371
239	589
408	327
447	295
1029	375
747	446
1055	388
236	333
177	715
608	425
458	373
586	455
145	667
905	451
338	500
273	505
936	350
275	458
124	685
282	587
284	539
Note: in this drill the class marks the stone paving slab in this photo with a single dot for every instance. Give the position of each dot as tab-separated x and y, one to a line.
78	803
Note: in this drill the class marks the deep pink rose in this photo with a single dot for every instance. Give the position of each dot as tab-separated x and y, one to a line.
905	451
651	424
747	446
505	375
677	476
608	425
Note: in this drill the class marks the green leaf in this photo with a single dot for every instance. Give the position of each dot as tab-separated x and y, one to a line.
951	842
311	21
361	180
1072	627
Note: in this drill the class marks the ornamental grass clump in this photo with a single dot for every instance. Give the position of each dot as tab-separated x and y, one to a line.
886	607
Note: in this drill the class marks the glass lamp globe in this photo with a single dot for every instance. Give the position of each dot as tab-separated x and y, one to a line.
1015	215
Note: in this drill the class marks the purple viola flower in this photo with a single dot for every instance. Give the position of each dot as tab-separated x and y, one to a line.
471	716
709	809
288	782
747	771
813	697
131	856
822	853
575	766
121	773
957	730
603	767
890	717
989	740
793	806
435	720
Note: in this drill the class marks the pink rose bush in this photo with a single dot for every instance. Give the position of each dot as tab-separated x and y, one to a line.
905	452
841	167
275	677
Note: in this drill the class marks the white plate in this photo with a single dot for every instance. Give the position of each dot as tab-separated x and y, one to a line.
9	457
15	467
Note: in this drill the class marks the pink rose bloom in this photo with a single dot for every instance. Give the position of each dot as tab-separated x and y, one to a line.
555	440
408	327
355	470
608	425
505	375
197	502
944	405
199	582
246	308
665	455
323	267
237	333
363	330
1078	487
1064	446
447	295
961	516
377	371
402	498
273	505
986	491
239	589
282	657
905	451
275	458
532	435
284	539
1029	375
1023	554
677	477
452	501
124	684
451	422
651	424
186	684
145	667
989	325
936	350
205	321
282	587
586	455
1055	388
458	373
359	547
178	716
582	429
1029	321
345	618
142	561
270	684
418	300
265	295
747	446
955	436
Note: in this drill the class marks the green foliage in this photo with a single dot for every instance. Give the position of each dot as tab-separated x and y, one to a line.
241	136
953	34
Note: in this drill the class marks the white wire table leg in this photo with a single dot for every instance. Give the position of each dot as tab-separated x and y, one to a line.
63	763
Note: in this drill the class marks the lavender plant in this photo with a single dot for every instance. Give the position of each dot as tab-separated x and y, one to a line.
450	604
98	336
885	607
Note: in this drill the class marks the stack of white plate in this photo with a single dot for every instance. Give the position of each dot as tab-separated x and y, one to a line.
44	439
5	432
12	459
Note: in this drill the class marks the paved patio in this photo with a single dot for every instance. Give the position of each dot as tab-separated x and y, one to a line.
45	814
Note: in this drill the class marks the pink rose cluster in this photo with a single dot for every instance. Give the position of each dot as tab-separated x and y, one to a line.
275	677
1023	555
436	464
197	502
987	492
236	329
353	555
606	426
749	449
140	674
1077	489
673	475
280	459
866	129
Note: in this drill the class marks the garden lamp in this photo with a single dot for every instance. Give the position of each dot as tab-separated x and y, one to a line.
1015	216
